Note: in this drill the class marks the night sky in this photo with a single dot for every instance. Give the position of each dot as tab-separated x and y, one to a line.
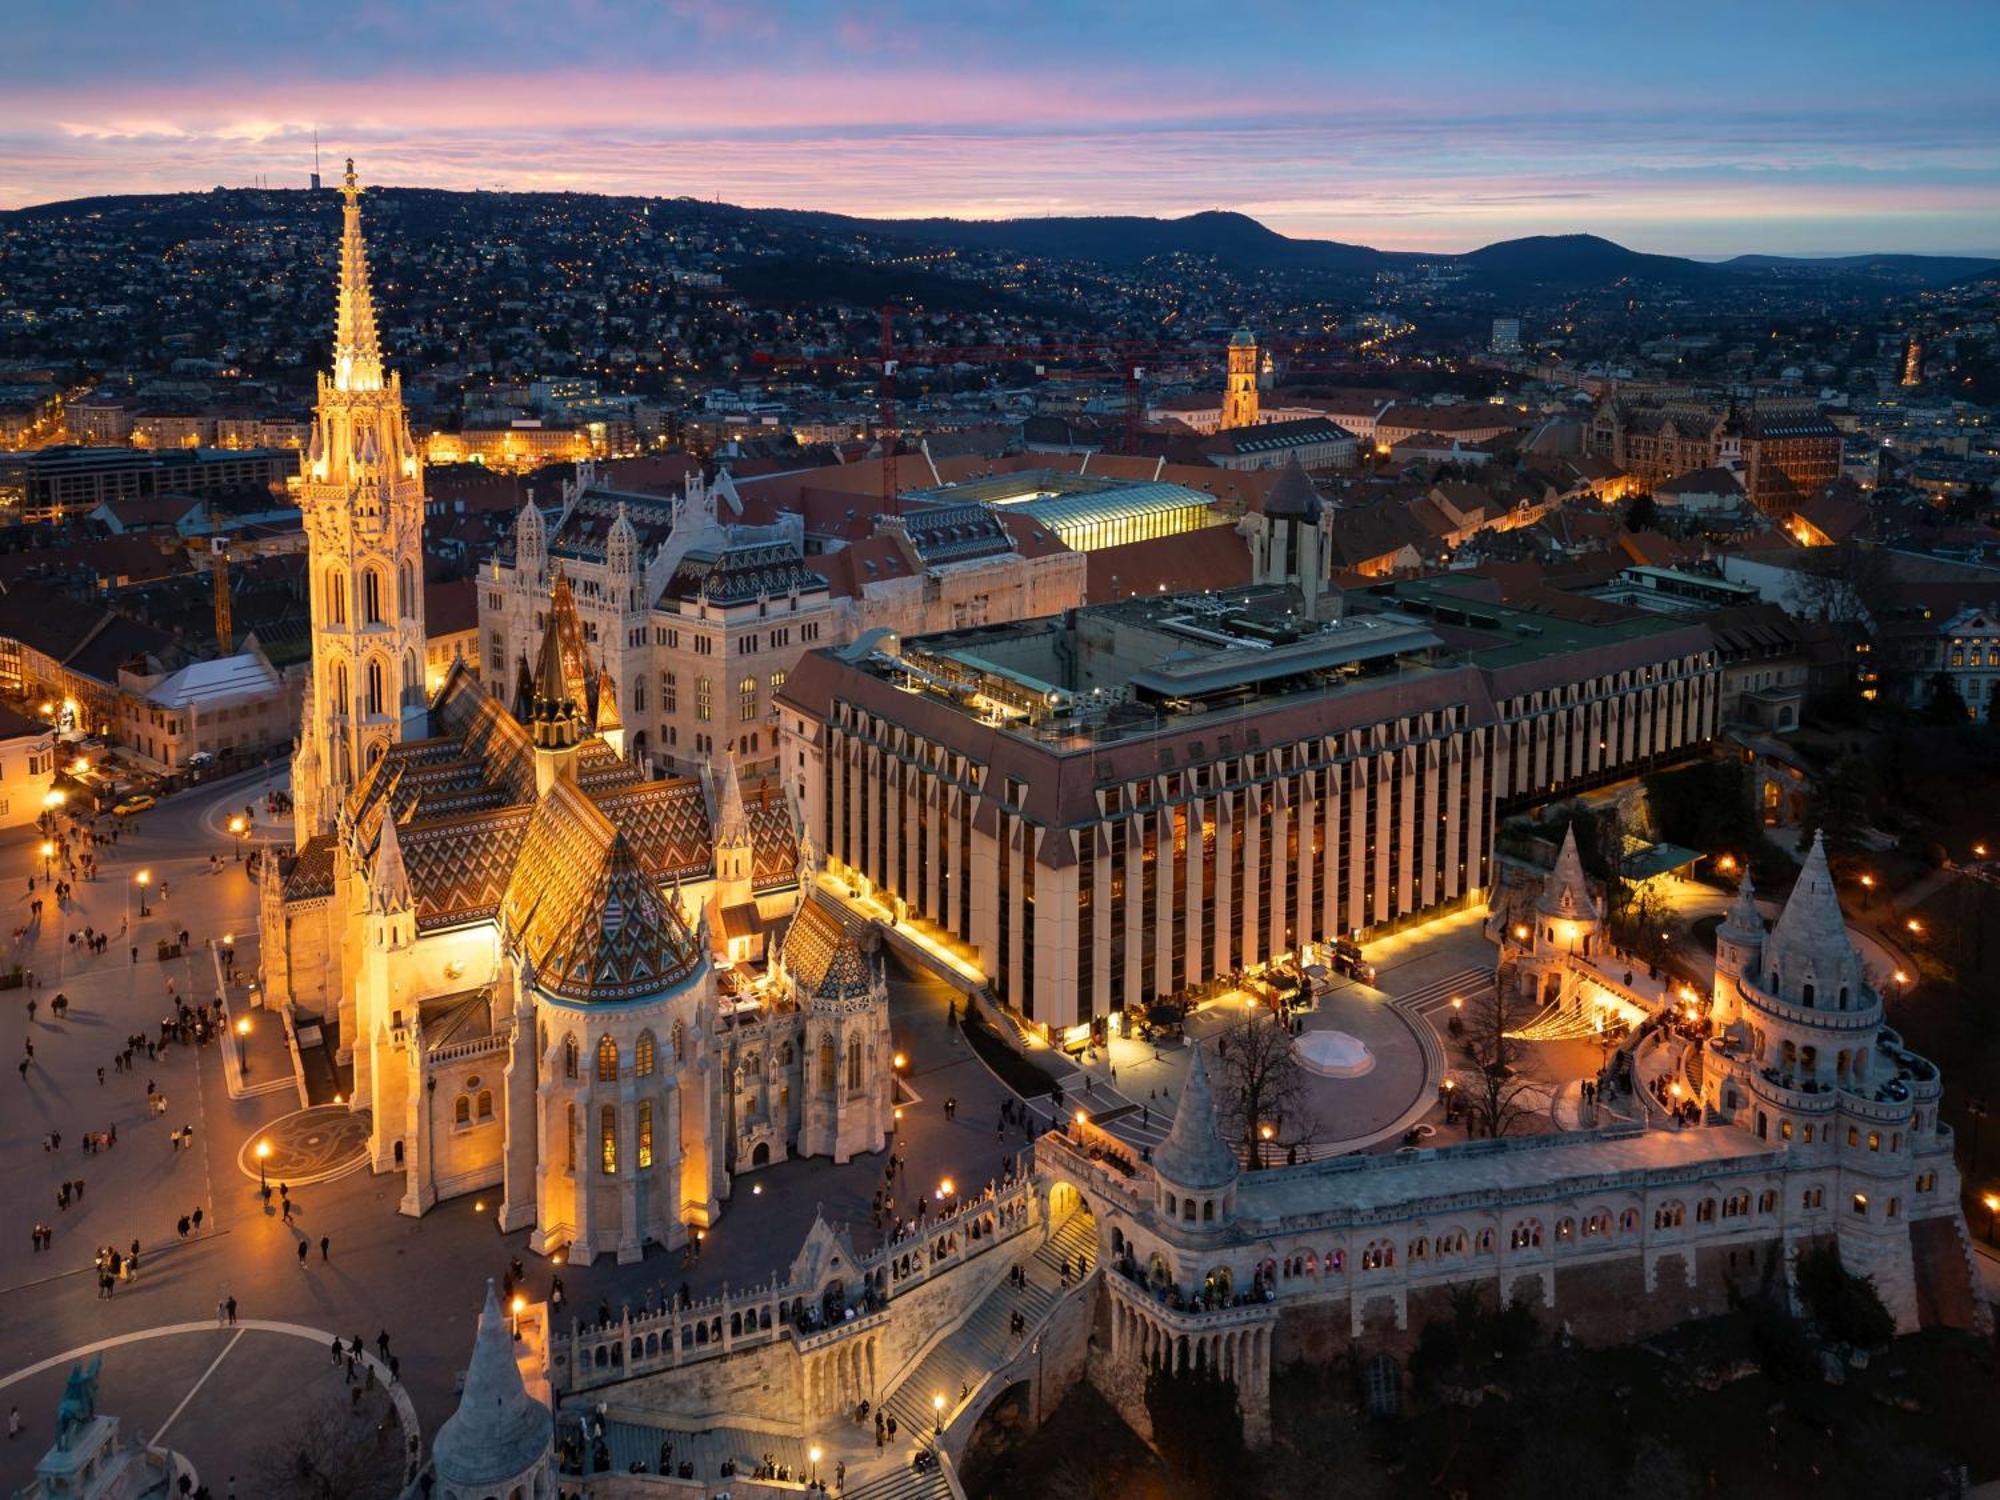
1693	128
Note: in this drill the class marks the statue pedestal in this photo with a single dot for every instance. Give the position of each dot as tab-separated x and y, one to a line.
95	1467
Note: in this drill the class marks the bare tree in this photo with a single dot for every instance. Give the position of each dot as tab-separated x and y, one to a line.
1492	1099
1262	1094
331	1451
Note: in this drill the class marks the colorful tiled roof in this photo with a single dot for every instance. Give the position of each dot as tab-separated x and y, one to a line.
820	955
590	918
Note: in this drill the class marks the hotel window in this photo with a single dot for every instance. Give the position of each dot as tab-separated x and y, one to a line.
704	699
670	694
777	685
607	1139
746	700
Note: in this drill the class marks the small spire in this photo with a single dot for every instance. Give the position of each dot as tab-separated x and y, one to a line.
1567	893
357	351
388	879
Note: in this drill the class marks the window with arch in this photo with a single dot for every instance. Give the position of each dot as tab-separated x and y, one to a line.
704	699
336	597
1704	1211
569	1137
1452	1242
1736	1205
413	681
642	1055
828	1080
607	1139
1598	1223
371	597
485	1104
376	691
1527	1234
1669	1216
607	1060
569	1057
1484	1240
1420	1248
1336	1262
406	592
1565	1229
1629	1220
746	700
854	1064
1813	1197
639	693
1926	1182
1767	1201
680	1043
341	703
1378	1256
1187	1210
461	1111
645	1134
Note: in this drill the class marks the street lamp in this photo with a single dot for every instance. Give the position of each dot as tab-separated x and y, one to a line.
813	1454
937	1413
1992	1202
519	1306
263	1155
242	1037
145	878
899	1062
48	853
238	827
1916	927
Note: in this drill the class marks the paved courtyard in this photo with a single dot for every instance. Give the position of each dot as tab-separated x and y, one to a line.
418	1279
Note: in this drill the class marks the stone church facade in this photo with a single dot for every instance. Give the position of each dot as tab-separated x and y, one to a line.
552	973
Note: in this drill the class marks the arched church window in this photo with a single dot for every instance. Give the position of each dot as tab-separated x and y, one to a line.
607	1139
413	682
853	1064
827	1077
406	592
371	597
607	1061
341	706
461	1111
680	1043
642	1055
569	1057
336	597
645	1134
639	693
374	686
486	1104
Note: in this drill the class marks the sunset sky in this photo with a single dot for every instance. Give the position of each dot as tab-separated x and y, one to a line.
1695	129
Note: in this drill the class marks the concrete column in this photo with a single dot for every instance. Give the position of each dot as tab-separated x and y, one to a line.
586	1121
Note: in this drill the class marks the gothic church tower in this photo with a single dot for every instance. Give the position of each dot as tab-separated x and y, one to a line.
363	499
1239	397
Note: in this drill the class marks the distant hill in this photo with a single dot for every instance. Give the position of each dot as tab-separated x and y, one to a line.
1928	270
1577	258
1120	240
1236	241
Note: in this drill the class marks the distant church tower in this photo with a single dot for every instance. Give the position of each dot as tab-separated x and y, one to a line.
1239	399
363	500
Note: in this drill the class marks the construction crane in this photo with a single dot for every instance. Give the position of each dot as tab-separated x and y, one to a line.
218	569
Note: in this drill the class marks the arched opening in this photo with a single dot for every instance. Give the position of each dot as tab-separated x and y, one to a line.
760	1155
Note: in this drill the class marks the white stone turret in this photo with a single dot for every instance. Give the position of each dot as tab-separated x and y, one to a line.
501	1440
1194	1169
1739	949
531	544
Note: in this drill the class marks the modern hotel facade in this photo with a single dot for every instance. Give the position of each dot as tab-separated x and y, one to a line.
1114	806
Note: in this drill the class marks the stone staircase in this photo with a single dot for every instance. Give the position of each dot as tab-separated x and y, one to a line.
904	1483
638	1442
983	1342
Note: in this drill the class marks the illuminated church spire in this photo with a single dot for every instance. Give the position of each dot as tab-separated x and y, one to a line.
357	352
362	496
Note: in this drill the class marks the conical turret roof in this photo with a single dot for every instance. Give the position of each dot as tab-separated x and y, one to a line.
1293	495
1194	1154
1743	920
499	1431
1567	893
1809	944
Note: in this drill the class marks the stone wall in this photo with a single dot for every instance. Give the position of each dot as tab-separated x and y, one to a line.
733	1389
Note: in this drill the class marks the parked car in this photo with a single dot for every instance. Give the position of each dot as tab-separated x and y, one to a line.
200	758
131	805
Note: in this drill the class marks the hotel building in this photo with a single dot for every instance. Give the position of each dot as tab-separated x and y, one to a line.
1113	806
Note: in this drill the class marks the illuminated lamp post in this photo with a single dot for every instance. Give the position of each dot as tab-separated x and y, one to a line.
937	1413
1992	1202
145	878
519	1306
242	1037
263	1155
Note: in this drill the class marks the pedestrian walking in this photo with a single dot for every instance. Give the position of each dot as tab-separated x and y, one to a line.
232	1311
303	1247
197	1218
325	1244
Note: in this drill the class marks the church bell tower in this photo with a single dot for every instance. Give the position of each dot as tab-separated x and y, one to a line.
1239	397
362	496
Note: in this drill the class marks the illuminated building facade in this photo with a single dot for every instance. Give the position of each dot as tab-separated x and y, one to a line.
1239	396
362	498
1119	805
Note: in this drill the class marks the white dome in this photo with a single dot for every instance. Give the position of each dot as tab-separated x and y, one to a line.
1334	1054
